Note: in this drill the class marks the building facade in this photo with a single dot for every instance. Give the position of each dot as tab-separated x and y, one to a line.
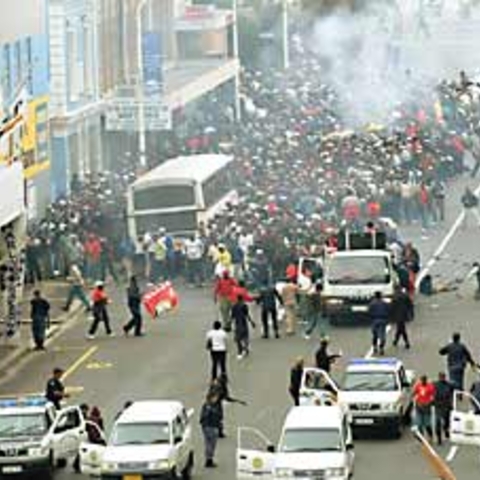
24	66
75	100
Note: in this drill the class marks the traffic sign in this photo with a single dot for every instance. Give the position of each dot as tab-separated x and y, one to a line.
123	114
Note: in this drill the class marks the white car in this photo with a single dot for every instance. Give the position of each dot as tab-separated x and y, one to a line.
316	443
35	437
150	439
378	393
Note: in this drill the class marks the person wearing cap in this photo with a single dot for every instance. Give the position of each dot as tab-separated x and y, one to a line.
379	314
40	312
100	301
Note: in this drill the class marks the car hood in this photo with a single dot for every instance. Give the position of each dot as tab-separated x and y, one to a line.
136	453
311	460
349	397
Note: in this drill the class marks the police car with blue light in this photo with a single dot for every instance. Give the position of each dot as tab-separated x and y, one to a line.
35	437
378	393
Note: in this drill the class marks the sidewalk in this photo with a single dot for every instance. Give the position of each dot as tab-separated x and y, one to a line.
14	350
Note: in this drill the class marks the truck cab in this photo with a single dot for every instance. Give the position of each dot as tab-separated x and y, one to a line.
35	437
316	442
361	266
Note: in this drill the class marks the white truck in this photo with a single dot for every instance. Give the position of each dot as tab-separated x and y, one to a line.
352	275
315	443
35	437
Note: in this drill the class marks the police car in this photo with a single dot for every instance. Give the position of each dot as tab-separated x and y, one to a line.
35	437
151	439
377	392
316	443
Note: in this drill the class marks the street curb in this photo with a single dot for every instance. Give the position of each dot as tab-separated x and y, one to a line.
20	355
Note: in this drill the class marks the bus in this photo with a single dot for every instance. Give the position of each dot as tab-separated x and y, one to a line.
180	194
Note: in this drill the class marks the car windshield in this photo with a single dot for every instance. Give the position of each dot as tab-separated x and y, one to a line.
311	440
140	434
23	425
358	270
370	381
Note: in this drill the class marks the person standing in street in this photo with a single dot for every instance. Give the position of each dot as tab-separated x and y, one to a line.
379	312
401	310
210	421
443	403
194	250
323	358
268	304
289	297
296	374
315	315
222	296
458	356
134	300
423	398
39	314
55	389
241	319
100	301
77	289
217	339
470	206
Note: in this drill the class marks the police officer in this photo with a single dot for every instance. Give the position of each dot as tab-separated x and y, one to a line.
443	404
134	301
211	421
379	312
55	390
323	359
268	303
296	374
401	310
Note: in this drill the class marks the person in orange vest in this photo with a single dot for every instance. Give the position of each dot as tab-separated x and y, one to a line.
224	287
100	301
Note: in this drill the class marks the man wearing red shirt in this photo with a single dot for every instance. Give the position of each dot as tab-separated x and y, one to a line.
93	250
423	397
224	287
100	301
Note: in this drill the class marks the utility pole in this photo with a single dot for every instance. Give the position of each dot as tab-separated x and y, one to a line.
238	110
286	53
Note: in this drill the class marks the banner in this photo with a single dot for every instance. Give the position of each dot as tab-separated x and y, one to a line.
160	298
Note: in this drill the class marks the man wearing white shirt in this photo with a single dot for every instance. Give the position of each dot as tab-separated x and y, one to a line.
194	250
217	339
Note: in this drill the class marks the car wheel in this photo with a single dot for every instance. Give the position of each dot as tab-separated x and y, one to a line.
397	428
188	470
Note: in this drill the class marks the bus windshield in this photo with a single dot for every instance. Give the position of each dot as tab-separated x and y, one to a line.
165	196
358	270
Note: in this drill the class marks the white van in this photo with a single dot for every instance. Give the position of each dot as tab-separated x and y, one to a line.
151	438
316	442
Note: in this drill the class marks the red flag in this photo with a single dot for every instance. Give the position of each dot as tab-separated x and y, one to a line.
161	298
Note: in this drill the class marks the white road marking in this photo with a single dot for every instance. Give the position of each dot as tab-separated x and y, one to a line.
435	257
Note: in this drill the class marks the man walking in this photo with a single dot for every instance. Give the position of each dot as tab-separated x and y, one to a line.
77	286
217	346
443	406
470	205
423	398
211	421
134	300
379	312
315	315
401	310
222	294
268	303
323	358
458	356
194	250
289	297
100	301
39	314
241	319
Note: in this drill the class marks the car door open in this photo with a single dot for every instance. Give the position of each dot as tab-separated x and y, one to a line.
68	431
317	388
464	423
255	455
91	451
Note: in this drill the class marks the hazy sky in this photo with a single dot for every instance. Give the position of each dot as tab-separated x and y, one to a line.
20	18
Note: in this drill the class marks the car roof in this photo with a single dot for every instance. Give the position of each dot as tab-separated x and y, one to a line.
314	416
360	253
373	364
151	410
22	411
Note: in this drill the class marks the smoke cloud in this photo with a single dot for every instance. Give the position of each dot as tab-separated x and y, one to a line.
390	53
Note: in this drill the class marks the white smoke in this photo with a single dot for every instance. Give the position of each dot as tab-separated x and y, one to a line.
388	54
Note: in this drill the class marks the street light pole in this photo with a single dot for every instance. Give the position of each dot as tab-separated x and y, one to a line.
238	112
286	53
142	132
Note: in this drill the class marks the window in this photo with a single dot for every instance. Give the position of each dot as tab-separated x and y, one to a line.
178	428
177	222
18	62
167	196
23	425
311	440
7	74
141	434
358	270
371	381
68	421
217	186
29	64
